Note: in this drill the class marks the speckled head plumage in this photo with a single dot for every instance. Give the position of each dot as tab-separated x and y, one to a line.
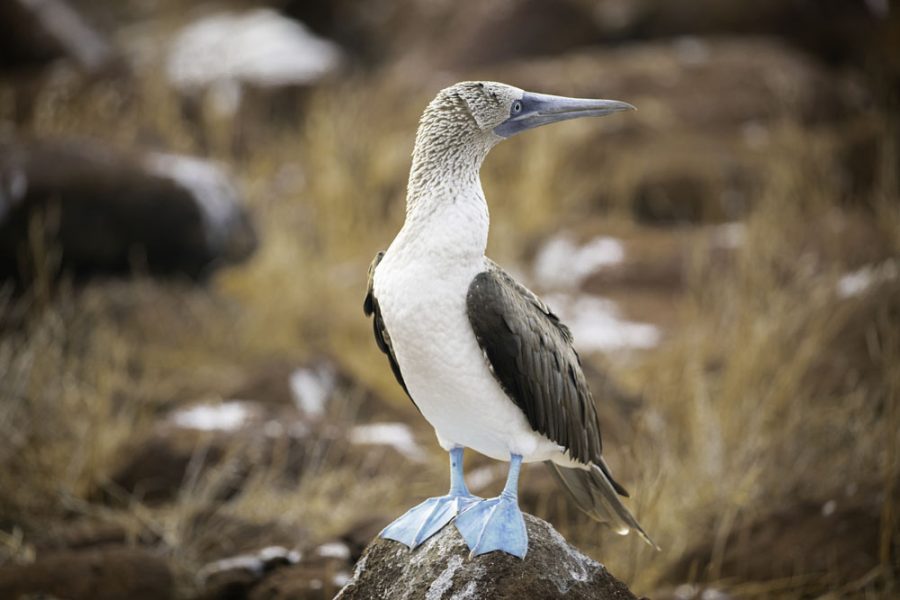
487	103
466	114
464	121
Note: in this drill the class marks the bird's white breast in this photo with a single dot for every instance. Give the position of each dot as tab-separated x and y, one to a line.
421	286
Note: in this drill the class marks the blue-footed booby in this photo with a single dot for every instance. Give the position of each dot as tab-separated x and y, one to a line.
484	360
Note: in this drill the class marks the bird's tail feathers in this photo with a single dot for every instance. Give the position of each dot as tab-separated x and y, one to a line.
598	496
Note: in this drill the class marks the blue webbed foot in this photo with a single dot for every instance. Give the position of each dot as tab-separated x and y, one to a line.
494	524
423	521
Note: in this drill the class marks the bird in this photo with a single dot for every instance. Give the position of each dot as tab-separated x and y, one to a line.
484	359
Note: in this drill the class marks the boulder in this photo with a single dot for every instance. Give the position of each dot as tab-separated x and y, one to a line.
215	537
217	446
86	533
243	74
276	573
233	577
441	568
258	47
110	573
321	388
432	36
696	84
835	30
94	208
315	578
828	544
709	134
39	32
209	444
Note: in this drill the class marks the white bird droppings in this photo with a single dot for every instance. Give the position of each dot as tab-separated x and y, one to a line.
597	325
334	550
227	416
469	592
858	282
443	581
259	47
397	435
311	388
562	263
730	235
254	563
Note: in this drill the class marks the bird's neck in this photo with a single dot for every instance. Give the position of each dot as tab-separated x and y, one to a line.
446	212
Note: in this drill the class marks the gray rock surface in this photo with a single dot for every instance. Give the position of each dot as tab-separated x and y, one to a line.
441	569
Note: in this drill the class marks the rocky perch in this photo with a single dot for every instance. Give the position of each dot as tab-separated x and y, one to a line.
441	569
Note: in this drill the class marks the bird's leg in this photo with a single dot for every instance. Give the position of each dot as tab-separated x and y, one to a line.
423	521
497	523
457	480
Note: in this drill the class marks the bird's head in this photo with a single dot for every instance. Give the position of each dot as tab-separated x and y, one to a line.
495	111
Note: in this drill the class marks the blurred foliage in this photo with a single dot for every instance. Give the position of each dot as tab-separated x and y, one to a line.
768	390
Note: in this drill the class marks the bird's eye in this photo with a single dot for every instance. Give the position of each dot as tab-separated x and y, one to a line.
516	107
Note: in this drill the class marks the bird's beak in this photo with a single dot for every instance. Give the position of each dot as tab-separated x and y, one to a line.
541	109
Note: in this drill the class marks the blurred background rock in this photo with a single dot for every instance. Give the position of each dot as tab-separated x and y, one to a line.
190	402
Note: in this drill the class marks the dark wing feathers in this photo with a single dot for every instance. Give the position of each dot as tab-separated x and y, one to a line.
382	338
532	357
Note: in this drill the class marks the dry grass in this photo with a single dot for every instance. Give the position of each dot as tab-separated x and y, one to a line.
735	422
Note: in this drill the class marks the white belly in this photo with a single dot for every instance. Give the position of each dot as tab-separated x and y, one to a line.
423	305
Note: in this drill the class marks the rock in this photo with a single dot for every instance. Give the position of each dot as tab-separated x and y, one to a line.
85	533
38	32
217	536
829	544
684	193
833	29
240	70
696	83
315	578
233	577
258	48
487	33
154	468
435	36
432	36
80	535
708	134
234	437
221	444
276	573
441	568
319	389
105	210
110	573
618	288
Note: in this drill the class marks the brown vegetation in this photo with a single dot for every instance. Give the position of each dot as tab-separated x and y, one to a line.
760	441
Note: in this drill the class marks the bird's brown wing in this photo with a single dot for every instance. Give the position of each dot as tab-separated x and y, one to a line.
530	353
